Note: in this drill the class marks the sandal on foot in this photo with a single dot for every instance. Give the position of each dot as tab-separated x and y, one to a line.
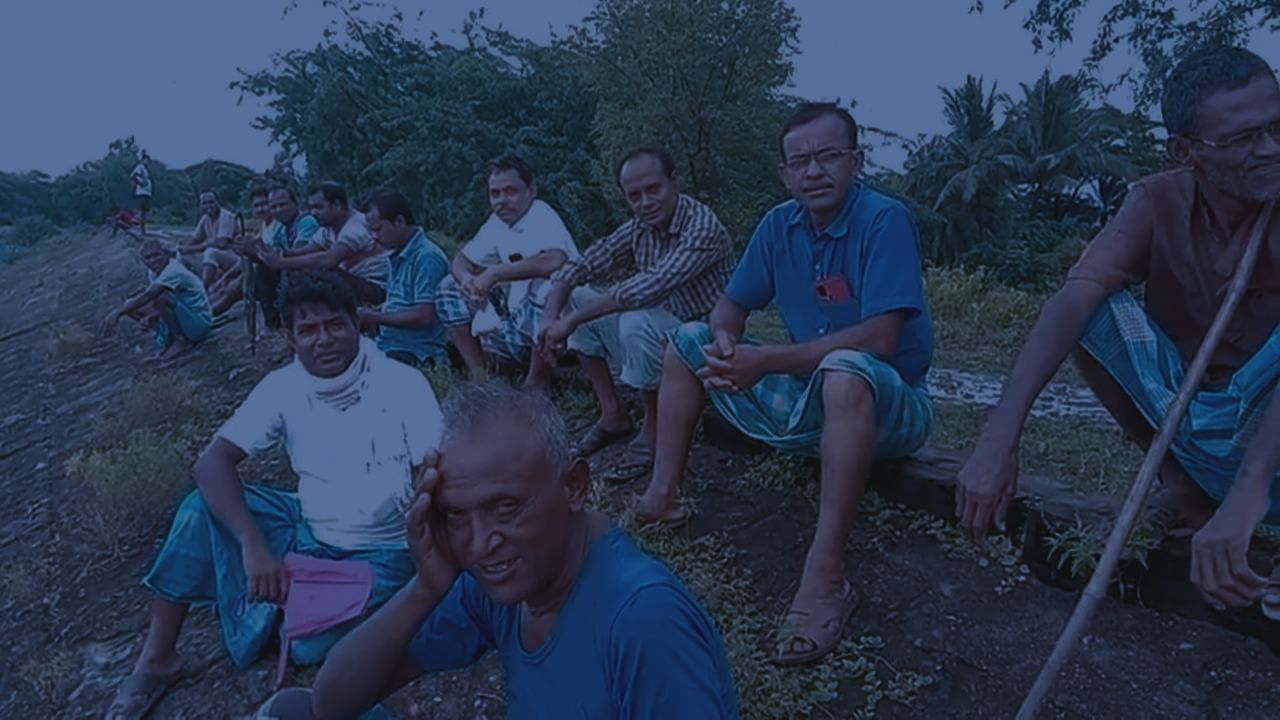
806	635
635	463
140	692
599	438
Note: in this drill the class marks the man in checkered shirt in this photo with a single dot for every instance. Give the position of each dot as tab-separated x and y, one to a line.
674	257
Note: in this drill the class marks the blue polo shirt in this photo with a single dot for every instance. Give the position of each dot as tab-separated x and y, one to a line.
629	643
873	245
415	271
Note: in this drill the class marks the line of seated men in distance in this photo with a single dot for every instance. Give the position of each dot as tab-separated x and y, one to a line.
841	263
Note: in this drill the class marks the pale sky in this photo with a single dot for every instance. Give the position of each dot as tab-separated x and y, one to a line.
81	73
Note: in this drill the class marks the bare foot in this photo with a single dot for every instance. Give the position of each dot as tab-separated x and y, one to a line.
658	504
175	350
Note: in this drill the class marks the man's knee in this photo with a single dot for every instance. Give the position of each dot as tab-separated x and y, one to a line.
846	392
164	301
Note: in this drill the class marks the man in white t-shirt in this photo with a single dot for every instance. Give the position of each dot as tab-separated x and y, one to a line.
343	243
141	179
493	301
174	303
356	426
212	240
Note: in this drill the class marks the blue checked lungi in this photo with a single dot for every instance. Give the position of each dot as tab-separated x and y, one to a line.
513	338
200	564
785	411
191	326
1211	441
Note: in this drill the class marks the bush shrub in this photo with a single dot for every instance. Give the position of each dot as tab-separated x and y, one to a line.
31	229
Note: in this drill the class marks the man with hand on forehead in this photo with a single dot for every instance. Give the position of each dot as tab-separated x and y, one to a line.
511	560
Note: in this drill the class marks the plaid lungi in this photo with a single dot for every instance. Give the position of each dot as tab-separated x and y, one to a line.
785	410
1211	440
512	337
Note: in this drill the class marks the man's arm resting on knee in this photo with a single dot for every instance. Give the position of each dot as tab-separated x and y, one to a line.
1057	330
220	486
327	258
462	267
538	266
141	300
988	480
418	317
877	335
373	660
728	319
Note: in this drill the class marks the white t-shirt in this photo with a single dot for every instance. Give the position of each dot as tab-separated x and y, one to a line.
368	259
354	465
540	229
209	229
268	232
142	180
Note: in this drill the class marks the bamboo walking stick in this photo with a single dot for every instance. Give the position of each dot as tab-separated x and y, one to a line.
1101	580
248	281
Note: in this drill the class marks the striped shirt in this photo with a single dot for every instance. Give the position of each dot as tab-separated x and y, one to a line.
682	271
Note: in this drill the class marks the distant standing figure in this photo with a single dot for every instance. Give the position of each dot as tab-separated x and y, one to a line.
141	178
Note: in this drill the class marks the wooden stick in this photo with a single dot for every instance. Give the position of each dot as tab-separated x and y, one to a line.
1101	580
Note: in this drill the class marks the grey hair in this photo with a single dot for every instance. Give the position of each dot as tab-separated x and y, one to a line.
477	404
1201	74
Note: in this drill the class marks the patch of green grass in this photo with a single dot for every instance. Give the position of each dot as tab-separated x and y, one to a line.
66	341
444	380
165	401
573	401
1092	458
979	324
710	566
135	481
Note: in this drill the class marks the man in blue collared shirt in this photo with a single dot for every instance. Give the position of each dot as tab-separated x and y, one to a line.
842	262
408	327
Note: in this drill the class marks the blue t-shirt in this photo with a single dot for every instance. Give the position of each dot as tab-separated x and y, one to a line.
415	271
873	245
300	232
630	643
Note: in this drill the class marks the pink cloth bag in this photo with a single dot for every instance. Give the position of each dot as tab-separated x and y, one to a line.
322	594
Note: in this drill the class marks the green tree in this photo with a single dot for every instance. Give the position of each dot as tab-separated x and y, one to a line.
703	78
1158	32
373	109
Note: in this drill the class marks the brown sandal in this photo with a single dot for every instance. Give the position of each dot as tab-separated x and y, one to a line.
797	640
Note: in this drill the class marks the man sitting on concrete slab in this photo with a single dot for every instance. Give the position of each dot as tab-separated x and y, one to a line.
842	263
355	425
1180	233
493	302
409	329
675	256
174	302
229	289
511	560
343	244
212	239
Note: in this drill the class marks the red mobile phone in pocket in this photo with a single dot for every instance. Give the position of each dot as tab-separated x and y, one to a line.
833	289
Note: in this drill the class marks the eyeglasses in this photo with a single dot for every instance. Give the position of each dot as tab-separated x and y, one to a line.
828	160
1244	141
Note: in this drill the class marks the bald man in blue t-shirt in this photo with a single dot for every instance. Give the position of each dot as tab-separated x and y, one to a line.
509	560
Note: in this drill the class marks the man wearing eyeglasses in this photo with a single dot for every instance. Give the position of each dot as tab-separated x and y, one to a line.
842	263
1181	234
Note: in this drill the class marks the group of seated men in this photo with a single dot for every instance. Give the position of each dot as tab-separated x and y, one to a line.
471	550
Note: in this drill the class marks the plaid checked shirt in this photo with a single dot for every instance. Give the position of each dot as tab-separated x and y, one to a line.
683	271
